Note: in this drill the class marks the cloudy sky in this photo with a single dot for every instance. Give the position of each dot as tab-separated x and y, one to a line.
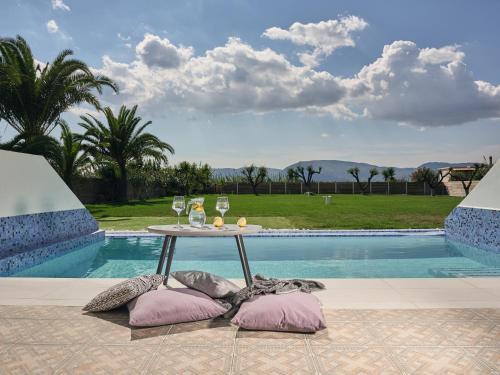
273	82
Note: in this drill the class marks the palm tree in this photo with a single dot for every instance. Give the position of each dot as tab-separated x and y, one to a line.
122	141
73	157
34	95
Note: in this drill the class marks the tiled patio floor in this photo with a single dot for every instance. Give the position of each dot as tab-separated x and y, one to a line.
63	340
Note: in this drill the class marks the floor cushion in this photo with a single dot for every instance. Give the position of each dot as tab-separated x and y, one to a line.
121	293
170	306
290	312
208	283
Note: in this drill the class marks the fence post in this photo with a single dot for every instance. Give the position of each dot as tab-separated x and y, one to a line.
406	188
318	187
237	188
370	187
424	188
285	187
353	187
301	188
335	187
388	188
270	191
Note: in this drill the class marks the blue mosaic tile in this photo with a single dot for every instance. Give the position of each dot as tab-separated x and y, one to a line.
22	260
474	226
24	232
27	240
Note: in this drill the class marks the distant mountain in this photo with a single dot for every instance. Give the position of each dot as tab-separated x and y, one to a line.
336	170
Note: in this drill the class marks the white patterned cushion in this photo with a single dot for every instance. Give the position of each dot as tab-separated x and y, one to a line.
121	293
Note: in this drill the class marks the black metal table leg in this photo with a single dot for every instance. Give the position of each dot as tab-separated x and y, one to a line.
170	257
244	260
164	248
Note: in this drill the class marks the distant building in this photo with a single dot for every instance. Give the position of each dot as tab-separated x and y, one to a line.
453	185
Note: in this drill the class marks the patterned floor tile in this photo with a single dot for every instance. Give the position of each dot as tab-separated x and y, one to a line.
438	361
384	315
191	360
410	333
109	359
17	330
488	356
34	359
65	331
204	333
273	360
481	332
341	315
119	332
268	338
343	333
492	314
354	360
411	315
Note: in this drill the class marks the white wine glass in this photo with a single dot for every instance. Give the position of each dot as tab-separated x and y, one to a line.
222	206
178	205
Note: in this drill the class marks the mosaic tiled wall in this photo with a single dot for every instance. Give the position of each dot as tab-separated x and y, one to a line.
475	226
18	233
19	261
25	239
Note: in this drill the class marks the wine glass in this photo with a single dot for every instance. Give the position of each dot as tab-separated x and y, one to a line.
222	206
178	205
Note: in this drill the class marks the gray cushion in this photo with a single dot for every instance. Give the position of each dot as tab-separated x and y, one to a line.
121	293
208	283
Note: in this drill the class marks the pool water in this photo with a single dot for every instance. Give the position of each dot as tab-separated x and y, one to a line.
304	257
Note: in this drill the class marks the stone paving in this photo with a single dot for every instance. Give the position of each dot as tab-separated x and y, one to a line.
64	340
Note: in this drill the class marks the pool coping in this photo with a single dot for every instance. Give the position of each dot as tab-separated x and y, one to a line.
413	293
308	233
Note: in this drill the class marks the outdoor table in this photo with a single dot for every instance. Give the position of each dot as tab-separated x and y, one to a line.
171	232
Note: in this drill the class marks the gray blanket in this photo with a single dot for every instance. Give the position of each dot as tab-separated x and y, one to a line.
262	285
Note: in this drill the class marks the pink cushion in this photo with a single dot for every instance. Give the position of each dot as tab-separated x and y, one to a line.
169	306
292	312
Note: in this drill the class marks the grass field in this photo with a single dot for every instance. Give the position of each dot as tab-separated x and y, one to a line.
291	211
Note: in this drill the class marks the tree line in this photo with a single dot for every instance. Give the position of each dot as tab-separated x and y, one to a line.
34	96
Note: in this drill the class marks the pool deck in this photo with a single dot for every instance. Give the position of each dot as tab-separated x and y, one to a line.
374	326
339	294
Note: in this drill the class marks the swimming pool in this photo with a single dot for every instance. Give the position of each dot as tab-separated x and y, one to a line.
298	256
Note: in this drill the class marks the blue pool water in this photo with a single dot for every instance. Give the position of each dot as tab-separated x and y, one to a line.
311	257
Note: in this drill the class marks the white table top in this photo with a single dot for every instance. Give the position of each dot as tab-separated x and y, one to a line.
207	231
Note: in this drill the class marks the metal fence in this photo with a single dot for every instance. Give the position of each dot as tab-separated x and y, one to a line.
388	188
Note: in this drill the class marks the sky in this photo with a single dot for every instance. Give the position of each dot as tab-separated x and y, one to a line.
232	83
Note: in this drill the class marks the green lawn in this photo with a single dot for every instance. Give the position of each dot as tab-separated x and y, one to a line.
292	211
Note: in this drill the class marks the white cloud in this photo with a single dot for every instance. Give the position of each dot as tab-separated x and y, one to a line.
324	135
125	38
52	27
59	4
441	55
424	87
154	51
412	86
232	78
324	36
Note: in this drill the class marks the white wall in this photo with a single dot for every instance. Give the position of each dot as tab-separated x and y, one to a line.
487	192
29	185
